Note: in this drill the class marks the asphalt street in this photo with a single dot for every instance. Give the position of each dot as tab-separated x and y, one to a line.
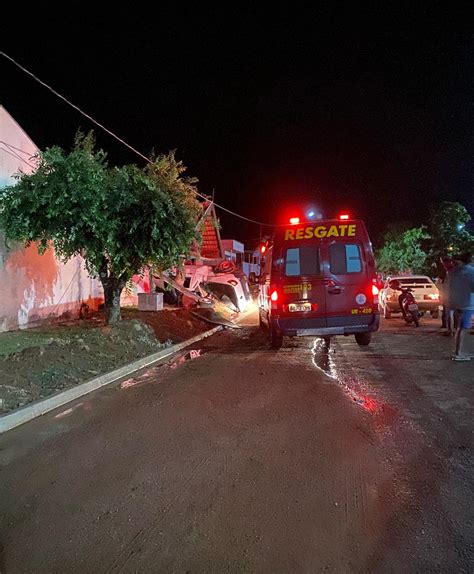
233	457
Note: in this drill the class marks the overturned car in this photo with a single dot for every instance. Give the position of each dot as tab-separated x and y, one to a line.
224	281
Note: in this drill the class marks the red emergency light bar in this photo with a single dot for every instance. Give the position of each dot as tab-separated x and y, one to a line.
344	216
294	220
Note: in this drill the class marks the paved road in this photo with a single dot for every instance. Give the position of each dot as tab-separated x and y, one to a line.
237	458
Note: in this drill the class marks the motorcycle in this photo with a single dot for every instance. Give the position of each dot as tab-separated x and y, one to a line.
409	306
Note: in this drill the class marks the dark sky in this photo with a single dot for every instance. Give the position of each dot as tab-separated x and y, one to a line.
274	110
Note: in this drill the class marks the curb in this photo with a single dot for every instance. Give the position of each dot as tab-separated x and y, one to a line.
43	406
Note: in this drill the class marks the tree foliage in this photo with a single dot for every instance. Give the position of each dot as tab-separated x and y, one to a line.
119	219
402	253
447	226
420	249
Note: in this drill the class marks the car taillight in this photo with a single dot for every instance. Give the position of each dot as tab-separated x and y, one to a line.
431	297
274	295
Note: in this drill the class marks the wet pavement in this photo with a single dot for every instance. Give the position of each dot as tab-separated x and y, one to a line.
233	457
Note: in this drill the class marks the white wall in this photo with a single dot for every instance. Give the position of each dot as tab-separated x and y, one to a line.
32	286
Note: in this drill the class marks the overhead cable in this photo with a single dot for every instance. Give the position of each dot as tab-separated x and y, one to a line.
120	139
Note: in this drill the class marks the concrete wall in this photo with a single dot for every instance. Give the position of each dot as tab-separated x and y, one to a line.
232	245
34	287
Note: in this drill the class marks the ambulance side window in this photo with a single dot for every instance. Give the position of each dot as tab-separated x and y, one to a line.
345	258
303	260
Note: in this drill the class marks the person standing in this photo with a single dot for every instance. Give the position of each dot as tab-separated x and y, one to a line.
447	313
450	319
460	293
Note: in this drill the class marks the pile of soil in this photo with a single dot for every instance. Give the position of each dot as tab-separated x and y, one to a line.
36	363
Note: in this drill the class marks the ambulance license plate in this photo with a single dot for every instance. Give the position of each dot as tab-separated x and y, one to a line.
295	307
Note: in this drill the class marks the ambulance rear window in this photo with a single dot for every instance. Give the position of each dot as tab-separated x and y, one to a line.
303	260
345	258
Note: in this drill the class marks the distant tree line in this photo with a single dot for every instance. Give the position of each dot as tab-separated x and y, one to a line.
407	249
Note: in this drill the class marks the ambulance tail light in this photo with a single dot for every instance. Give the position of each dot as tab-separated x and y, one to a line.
375	293
274	297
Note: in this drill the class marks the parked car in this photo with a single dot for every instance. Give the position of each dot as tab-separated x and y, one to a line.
425	291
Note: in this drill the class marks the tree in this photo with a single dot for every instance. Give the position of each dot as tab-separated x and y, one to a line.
402	253
447	227
392	231
118	219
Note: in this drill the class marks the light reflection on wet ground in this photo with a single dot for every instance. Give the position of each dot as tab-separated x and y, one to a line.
324	360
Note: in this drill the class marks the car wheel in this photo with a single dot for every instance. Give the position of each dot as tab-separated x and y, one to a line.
386	313
363	338
276	340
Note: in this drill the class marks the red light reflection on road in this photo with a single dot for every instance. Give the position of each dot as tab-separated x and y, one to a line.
324	361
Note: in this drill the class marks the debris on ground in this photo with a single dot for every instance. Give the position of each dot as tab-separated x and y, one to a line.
218	314
212	316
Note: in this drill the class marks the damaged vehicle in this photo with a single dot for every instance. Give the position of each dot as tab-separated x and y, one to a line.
223	281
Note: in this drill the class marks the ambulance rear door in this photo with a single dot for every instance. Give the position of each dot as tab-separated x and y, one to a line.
348	289
300	283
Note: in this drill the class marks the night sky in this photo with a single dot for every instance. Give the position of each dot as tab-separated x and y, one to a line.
272	110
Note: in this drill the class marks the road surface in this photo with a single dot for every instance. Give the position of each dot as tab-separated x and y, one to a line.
238	458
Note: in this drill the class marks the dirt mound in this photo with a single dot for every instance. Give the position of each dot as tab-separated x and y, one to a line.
39	362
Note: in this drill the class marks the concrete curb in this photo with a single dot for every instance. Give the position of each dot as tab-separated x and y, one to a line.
43	406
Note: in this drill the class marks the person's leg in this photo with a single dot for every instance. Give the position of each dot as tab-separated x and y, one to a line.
444	317
464	319
451	321
459	341
455	320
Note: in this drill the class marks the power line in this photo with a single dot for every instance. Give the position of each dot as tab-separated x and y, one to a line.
13	151
120	139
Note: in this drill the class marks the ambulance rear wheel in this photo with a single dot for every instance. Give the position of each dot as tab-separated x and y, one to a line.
363	338
276	340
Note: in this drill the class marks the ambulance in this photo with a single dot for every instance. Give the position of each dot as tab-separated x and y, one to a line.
319	280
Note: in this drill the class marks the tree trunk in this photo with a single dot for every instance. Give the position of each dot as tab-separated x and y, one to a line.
113	287
112	304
